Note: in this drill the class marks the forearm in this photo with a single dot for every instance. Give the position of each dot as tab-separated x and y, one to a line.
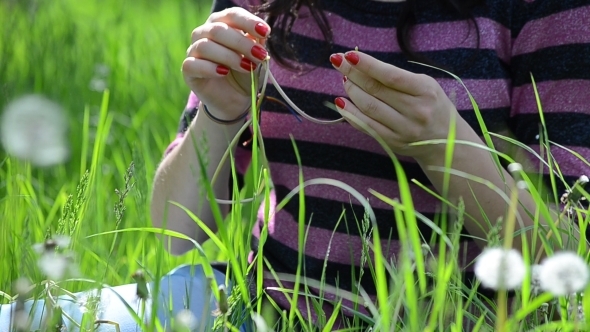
482	203
178	179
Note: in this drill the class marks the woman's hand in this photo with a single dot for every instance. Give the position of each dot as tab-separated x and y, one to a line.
402	107
223	52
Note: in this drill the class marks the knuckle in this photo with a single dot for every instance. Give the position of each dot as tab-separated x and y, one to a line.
393	80
372	86
216	29
424	115
186	66
371	108
413	134
195	34
198	45
232	12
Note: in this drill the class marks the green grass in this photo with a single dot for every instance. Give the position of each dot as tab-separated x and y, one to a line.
54	51
100	196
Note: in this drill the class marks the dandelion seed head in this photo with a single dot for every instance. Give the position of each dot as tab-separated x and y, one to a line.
260	323
97	84
34	128
498	268
62	241
54	265
563	273
22	286
186	319
101	70
514	167
522	185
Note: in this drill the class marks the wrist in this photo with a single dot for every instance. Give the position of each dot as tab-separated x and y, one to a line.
224	121
436	154
220	116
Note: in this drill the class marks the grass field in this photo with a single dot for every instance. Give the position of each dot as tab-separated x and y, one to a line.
56	49
114	66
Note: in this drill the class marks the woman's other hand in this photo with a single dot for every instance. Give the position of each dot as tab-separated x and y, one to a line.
402	107
223	52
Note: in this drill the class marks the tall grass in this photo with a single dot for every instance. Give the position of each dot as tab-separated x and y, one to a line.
100	197
54	48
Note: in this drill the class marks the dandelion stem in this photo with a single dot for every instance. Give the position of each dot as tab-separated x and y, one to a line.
511	219
501	313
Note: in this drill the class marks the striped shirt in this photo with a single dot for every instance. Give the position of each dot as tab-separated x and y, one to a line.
549	39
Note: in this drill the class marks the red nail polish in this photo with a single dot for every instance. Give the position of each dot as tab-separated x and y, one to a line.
336	59
340	103
352	57
247	64
344	79
222	70
261	29
259	52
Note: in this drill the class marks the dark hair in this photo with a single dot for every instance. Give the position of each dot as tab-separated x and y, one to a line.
281	14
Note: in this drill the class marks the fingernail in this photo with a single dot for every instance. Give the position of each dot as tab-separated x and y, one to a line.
261	29
247	64
222	70
336	59
340	103
352	57
344	79
259	52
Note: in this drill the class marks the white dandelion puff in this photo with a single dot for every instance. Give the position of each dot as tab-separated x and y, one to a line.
22	286
563	274
498	268
514	167
187	320
260	323
102	70
97	84
54	265
34	128
61	241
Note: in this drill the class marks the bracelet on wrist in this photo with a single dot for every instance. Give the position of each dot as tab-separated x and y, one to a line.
224	122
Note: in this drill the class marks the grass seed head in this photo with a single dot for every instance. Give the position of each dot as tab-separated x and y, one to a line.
498	268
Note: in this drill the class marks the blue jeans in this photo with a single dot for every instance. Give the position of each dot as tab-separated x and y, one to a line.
185	287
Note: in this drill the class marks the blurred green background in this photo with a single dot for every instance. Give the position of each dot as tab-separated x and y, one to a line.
69	51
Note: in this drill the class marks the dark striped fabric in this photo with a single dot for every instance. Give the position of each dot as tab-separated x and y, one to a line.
548	38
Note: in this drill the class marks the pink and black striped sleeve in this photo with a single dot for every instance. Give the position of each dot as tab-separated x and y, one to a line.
551	42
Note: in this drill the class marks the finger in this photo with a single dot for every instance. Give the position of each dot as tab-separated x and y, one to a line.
354	116
241	19
193	68
398	100
387	74
209	50
231	38
376	109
